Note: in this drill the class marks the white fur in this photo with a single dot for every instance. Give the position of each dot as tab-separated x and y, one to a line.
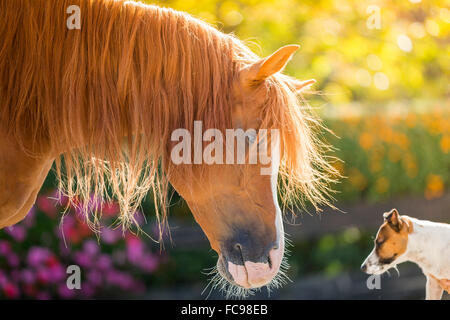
429	247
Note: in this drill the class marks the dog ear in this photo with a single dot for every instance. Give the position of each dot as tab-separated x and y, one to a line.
394	219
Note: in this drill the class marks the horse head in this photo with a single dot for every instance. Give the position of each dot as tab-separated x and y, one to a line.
236	204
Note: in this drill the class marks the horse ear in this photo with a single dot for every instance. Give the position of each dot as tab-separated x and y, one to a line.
266	67
303	85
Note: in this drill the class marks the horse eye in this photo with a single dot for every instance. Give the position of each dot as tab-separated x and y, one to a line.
251	139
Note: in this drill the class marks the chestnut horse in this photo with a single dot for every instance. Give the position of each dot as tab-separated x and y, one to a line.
101	101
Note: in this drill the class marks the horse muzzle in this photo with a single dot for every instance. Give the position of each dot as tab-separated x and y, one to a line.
250	262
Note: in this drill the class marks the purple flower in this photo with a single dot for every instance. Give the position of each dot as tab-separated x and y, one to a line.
139	217
60	198
13	259
43	295
91	248
119	279
87	290
3	278
111	236
28	276
149	262
83	259
5	248
65	292
29	221
56	274
17	232
104	262
37	256
95	278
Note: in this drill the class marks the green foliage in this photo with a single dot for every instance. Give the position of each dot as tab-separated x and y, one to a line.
330	254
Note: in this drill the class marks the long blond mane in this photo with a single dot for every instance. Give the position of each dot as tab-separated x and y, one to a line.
108	96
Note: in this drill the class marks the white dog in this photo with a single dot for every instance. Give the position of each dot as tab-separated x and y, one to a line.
426	243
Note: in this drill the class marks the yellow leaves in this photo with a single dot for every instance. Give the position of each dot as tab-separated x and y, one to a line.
445	144
411	120
435	187
401	140
357	179
386	153
406	58
366	140
382	185
394	155
410	165
375	165
339	166
230	13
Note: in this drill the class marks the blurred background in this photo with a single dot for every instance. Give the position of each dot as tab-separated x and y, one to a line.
382	71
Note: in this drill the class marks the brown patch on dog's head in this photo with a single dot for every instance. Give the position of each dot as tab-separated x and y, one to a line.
392	237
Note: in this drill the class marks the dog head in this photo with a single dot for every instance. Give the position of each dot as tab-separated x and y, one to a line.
391	243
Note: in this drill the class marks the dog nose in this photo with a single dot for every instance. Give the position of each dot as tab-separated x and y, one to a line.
251	260
363	267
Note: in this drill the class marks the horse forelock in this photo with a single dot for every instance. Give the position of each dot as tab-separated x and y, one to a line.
108	96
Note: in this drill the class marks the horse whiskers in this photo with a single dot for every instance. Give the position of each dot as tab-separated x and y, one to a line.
232	291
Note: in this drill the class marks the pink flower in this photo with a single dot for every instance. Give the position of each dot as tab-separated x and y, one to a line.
135	249
43	276
11	291
110	209
47	205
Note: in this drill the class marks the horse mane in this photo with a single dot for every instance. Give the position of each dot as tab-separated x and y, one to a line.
107	97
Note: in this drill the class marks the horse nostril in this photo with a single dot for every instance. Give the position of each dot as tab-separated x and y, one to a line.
269	261
238	248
